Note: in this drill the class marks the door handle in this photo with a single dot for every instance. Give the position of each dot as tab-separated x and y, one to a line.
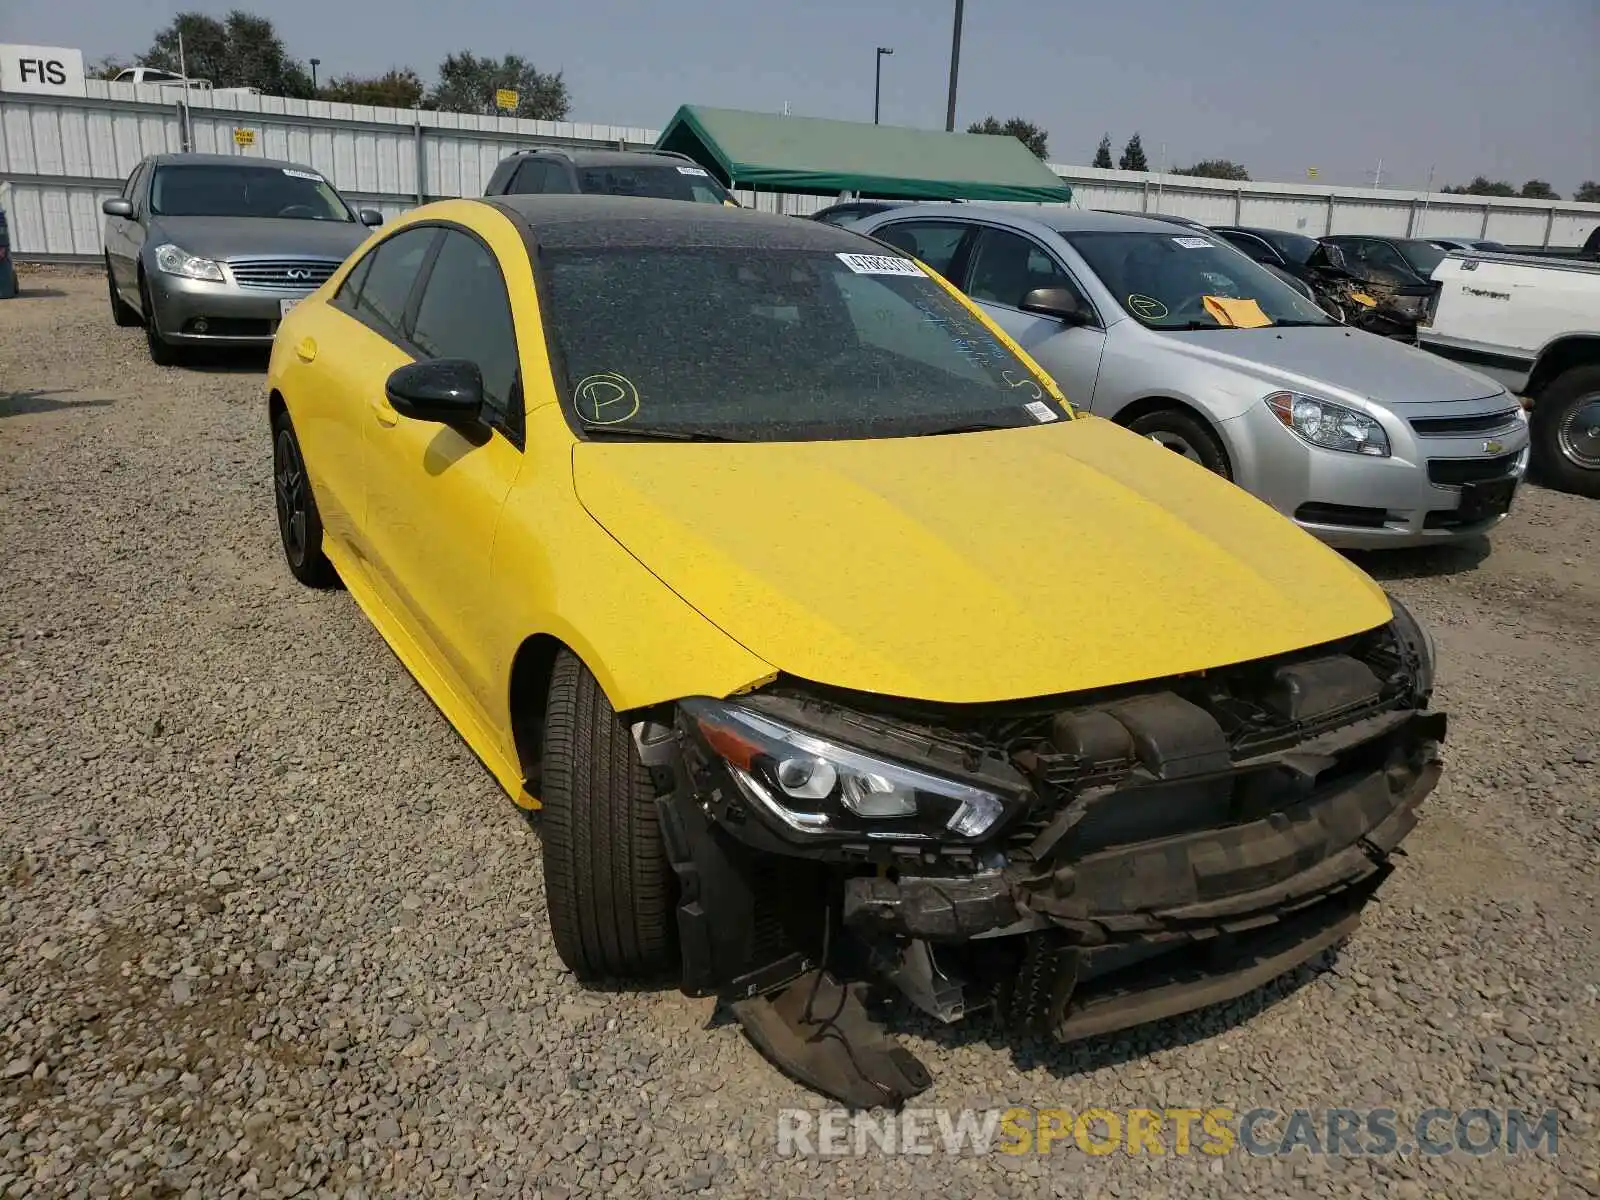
385	416
306	351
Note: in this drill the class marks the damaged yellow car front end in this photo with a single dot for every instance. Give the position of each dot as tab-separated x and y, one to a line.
833	645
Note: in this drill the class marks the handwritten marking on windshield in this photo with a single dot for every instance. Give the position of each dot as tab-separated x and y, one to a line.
606	398
1038	392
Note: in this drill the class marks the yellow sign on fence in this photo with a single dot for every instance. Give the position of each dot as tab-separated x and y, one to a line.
244	137
506	98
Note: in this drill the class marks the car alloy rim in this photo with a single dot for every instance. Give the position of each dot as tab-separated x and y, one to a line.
1579	434
1178	444
289	482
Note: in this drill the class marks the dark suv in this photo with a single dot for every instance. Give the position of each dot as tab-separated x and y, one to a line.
661	174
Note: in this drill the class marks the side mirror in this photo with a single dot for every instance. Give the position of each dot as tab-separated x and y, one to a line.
1058	302
446	390
116	207
370	216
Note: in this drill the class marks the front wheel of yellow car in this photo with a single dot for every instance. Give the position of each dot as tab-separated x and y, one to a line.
299	526
607	882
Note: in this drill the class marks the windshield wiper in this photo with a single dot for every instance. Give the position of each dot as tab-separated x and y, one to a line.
656	433
976	427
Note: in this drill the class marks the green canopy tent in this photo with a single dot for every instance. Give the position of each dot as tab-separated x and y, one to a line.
819	157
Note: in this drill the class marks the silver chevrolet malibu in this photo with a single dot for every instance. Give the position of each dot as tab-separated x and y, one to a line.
213	249
1362	440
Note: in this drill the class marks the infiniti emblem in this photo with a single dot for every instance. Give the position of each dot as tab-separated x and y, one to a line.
297	273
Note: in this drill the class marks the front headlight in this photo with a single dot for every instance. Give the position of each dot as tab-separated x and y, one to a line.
175	260
1331	426
813	786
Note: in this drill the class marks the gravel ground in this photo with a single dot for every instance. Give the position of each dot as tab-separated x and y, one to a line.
267	928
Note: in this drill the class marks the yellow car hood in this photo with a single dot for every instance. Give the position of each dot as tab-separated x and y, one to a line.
973	567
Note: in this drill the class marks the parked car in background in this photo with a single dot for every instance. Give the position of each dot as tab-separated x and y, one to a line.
1361	440
651	174
1533	324
831	645
1397	272
213	249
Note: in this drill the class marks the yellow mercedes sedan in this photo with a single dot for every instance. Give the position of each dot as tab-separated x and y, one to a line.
834	649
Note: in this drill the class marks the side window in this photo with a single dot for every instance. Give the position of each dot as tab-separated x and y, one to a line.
529	178
466	313
349	292
1252	246
1386	258
934	242
1007	266
388	281
537	176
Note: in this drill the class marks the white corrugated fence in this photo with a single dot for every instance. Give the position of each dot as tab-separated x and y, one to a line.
61	156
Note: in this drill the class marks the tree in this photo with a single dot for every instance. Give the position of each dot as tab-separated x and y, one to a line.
242	50
1026	132
399	87
1538	189
1133	158
1588	192
1216	168
468	83
1102	154
108	67
1482	186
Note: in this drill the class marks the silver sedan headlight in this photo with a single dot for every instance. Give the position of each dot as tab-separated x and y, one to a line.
1328	425
812	786
175	260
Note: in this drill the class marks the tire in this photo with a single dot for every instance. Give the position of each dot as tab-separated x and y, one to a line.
162	352
121	311
1185	435
607	882
1566	431
299	525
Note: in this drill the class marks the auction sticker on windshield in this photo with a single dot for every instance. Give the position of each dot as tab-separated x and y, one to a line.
311	175
691	171
880	264
1192	243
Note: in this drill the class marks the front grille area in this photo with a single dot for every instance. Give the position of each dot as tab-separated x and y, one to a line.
1453	472
1352	515
283	274
1465	426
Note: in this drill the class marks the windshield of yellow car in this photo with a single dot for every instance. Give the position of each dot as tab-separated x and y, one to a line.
766	344
1162	279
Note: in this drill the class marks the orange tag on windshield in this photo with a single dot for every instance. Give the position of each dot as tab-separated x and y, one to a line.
1237	314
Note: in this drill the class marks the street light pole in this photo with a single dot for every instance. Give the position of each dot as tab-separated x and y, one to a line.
955	64
877	79
315	63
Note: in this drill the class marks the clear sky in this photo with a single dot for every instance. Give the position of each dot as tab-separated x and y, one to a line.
1507	89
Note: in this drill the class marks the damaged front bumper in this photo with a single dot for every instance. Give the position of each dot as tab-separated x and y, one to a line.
1161	849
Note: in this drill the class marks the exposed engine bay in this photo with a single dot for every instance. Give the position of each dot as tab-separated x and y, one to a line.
1076	864
1375	301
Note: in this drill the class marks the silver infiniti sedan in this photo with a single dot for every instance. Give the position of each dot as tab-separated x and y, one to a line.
1362	440
213	249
